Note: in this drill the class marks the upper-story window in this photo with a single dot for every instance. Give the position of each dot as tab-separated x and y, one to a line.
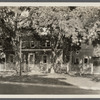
45	43
32	44
48	44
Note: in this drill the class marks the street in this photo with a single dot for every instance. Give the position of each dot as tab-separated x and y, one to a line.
35	89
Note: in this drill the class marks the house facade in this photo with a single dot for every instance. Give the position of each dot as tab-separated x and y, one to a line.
83	59
36	54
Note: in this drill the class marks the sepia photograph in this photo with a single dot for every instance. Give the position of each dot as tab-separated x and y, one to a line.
49	50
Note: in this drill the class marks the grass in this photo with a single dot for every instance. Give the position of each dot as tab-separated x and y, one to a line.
96	78
34	79
93	77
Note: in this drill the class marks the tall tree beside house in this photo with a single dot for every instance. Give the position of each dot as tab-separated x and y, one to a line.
94	36
11	19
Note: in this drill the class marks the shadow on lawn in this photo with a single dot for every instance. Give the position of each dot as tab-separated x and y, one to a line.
34	79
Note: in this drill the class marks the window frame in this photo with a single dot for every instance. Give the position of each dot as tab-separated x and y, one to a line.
87	60
76	59
45	59
11	55
47	44
33	58
31	44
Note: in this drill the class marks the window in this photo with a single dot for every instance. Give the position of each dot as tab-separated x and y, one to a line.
85	60
42	43
44	59
32	44
48	44
77	61
67	58
45	43
31	58
11	58
2	60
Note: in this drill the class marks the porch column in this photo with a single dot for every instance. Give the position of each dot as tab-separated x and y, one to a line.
5	61
91	68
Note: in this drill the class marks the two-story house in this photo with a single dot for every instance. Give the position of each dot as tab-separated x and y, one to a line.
36	54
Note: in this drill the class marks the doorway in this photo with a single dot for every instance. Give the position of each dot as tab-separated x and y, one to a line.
31	61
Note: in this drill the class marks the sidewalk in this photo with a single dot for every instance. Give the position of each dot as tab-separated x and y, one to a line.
81	82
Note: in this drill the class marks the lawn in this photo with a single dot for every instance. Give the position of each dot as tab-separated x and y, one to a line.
39	79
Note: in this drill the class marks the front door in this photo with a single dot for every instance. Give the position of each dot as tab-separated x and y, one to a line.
44	63
31	60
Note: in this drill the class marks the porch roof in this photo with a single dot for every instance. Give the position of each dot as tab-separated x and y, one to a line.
36	49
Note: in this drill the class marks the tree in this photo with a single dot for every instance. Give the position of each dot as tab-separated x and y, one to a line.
10	20
66	26
59	25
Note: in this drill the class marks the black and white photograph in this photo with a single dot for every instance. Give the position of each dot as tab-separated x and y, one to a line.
49	50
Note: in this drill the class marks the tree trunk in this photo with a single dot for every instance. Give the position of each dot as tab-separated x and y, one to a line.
70	61
20	54
18	46
53	62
